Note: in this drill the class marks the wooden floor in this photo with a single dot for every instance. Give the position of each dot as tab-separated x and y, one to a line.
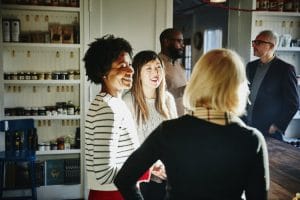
284	166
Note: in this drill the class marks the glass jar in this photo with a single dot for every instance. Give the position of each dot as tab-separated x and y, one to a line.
42	111
63	75
34	76
21	76
53	145
55	75
15	76
77	75
6	76
27	76
60	143
41	76
70	108
48	76
71	75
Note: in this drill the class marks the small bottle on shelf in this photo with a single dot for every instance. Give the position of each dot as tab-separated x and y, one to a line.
70	108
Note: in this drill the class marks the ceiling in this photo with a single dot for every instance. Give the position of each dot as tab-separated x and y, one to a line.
186	6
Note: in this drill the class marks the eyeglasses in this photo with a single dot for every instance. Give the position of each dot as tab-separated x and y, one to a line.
259	42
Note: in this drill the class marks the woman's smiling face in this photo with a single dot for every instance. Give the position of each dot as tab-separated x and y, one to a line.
151	74
120	75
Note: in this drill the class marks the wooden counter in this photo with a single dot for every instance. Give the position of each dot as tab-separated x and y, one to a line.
284	162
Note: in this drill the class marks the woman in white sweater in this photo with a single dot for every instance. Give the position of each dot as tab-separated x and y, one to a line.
150	104
110	133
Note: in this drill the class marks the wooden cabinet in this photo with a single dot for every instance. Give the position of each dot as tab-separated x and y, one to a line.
40	69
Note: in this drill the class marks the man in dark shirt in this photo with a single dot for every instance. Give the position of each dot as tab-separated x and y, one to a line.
273	86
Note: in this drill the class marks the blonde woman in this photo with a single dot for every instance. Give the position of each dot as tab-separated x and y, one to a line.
150	104
209	153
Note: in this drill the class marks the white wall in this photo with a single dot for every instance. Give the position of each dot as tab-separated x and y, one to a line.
138	21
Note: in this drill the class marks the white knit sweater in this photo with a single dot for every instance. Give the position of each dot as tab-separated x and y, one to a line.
110	137
155	118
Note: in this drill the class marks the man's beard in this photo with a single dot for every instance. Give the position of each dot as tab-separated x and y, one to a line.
176	53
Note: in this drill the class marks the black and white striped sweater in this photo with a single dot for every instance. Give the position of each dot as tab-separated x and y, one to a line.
110	137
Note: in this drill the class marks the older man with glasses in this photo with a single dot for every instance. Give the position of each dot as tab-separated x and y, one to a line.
273	85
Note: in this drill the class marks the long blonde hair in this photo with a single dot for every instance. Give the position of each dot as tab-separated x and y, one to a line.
218	81
140	106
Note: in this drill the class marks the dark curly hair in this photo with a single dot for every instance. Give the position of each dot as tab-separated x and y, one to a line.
101	54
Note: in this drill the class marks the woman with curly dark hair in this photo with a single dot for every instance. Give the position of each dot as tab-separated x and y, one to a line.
110	133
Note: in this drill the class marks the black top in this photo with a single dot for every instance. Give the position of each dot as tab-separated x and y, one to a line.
203	160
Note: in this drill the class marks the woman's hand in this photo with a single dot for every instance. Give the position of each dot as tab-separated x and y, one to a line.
158	172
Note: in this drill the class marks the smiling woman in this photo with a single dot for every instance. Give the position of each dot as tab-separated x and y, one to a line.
110	134
150	104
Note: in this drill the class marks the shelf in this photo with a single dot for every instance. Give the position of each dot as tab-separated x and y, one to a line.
39	8
45	45
57	152
290	49
58	117
43	82
276	13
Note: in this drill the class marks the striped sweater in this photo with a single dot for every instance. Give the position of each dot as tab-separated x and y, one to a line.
110	137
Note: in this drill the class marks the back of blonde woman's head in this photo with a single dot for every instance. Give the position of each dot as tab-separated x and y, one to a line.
218	81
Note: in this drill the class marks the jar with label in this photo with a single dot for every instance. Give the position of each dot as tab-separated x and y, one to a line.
55	75
60	143
53	145
77	75
275	5
42	111
34	76
15	76
59	109
71	75
27	76
41	76
77	110
48	76
67	143
42	146
63	75
70	108
21	76
262	4
6	76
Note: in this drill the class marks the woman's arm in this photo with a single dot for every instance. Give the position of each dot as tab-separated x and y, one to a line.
137	164
101	141
259	179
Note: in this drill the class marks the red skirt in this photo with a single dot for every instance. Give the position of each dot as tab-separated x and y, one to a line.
114	195
105	195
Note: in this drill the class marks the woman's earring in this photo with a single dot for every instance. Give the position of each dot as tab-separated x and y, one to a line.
104	77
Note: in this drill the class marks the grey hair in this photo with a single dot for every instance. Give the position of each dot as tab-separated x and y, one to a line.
271	34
